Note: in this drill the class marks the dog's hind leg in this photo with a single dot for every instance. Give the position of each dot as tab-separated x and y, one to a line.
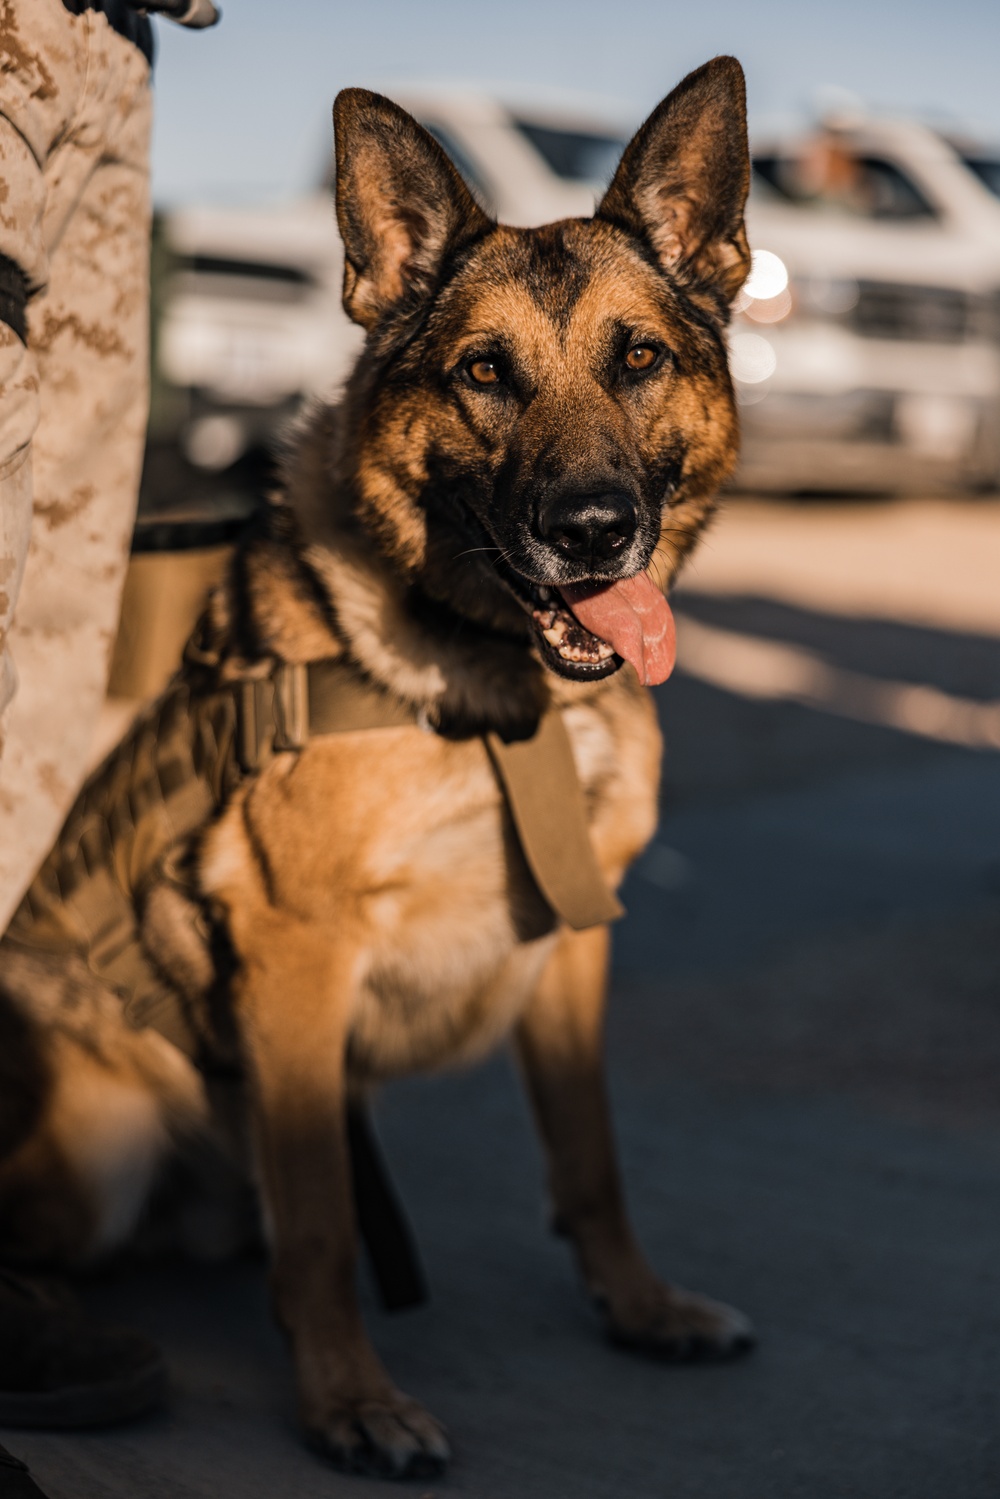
89	1109
294	990
560	1043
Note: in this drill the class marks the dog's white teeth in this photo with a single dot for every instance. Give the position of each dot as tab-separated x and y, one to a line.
599	651
553	627
563	633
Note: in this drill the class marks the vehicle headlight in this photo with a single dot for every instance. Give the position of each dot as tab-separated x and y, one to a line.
768	276
765	296
752	359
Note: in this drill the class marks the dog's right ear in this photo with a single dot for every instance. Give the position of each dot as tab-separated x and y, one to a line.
401	206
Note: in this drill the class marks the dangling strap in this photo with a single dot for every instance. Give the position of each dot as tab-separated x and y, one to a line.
545	798
388	1237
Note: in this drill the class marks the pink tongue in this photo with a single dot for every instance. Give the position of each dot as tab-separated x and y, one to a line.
634	618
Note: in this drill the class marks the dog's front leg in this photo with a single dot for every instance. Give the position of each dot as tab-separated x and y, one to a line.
294	993
560	1042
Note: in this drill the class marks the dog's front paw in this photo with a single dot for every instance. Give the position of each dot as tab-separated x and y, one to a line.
390	1436
679	1326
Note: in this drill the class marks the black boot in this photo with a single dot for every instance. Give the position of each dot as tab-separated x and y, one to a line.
15	1480
60	1369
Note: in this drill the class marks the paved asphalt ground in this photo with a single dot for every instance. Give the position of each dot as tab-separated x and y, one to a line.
805	1048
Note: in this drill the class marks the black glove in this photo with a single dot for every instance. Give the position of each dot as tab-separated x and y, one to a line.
194	13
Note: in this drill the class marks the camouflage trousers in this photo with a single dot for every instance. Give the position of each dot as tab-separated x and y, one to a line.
75	218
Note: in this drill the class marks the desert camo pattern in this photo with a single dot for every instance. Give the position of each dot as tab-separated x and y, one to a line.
75	216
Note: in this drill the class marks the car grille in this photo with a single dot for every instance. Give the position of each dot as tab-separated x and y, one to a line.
226	276
923	314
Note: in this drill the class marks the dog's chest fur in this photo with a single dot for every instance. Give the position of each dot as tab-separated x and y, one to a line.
397	844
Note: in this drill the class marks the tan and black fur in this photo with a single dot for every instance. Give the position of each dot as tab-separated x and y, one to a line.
360	908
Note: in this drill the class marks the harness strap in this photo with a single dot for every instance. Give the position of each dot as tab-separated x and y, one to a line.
339	698
538	776
388	1238
545	798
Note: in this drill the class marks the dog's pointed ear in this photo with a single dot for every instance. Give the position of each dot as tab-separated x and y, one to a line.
683	180
401	205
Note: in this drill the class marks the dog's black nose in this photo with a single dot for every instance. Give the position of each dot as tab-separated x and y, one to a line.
588	527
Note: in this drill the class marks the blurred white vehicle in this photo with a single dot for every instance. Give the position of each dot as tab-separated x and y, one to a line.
865	353
252	318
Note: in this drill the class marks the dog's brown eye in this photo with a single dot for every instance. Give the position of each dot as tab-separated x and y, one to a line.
484	372
642	357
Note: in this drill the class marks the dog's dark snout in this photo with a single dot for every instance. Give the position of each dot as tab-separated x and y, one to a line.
588	527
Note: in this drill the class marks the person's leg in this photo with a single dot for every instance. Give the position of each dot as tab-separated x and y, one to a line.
88	333
39	96
74	129
18	416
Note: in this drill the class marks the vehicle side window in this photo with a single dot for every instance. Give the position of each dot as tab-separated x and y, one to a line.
987	170
765	183
574	155
769	175
891	194
463	161
828	174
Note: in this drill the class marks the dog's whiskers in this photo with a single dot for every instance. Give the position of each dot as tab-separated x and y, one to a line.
469	551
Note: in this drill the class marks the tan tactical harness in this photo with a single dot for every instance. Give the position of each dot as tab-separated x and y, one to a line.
177	767
181	762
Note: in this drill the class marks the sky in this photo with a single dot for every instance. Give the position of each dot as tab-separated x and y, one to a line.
243	111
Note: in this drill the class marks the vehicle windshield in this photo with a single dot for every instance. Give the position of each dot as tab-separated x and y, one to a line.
829	174
463	161
574	155
987	169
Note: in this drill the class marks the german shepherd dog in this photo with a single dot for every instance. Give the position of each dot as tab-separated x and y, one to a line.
485	527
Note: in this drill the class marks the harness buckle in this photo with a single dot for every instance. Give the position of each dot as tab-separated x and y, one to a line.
254	723
272	715
291	706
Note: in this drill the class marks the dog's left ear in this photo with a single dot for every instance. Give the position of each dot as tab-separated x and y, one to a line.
401	206
683	180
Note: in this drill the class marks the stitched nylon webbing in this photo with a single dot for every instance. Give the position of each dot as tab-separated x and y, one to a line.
545	798
181	761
